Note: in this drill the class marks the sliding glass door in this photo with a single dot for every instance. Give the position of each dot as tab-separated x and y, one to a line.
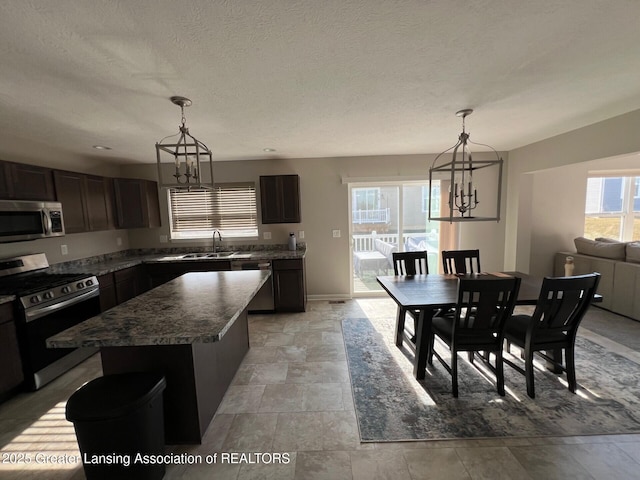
385	218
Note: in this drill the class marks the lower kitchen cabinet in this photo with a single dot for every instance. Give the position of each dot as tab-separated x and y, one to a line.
107	292
11	375
130	283
289	285
122	285
160	273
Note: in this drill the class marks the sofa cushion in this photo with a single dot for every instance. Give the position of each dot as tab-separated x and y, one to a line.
633	252
607	240
613	250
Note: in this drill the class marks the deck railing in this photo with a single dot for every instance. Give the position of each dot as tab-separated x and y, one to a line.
365	242
371	216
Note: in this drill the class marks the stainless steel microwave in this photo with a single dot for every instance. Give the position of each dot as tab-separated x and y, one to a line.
21	220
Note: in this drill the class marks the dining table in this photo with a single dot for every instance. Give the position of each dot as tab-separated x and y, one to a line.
427	294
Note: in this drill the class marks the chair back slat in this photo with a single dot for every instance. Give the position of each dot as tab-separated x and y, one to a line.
484	305
461	261
563	302
410	263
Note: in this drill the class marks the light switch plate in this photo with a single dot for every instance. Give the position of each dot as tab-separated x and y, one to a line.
301	234
336	234
267	235
164	239
64	250
119	241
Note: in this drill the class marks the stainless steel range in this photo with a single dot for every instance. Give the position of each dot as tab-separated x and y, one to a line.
47	303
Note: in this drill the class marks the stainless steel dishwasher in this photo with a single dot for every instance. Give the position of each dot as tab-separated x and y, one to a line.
263	301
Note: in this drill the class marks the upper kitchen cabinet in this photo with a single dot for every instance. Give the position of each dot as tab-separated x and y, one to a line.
137	203
32	183
100	203
87	201
6	183
280	198
71	191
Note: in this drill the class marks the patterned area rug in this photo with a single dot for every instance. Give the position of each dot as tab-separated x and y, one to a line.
391	405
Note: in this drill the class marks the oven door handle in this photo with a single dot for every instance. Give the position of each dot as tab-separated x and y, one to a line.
36	313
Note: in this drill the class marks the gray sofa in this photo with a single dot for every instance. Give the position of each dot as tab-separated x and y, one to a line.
619	266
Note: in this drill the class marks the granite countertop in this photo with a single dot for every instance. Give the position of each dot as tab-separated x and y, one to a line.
7	298
198	307
110	265
257	255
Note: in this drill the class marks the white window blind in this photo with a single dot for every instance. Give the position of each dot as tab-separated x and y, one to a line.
230	208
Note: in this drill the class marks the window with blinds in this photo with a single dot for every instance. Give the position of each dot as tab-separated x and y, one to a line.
230	208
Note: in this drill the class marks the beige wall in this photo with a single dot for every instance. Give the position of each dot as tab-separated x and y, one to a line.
324	203
547	185
79	245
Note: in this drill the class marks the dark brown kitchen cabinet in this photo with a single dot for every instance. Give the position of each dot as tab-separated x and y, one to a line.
160	273
32	183
100	203
71	191
289	285
122	285
11	375
137	203
6	182
87	201
108	297
280	198
130	282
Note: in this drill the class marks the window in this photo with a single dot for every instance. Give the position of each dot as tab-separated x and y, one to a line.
435	202
613	208
366	206
230	208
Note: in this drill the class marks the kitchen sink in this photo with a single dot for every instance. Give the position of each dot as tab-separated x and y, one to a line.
207	255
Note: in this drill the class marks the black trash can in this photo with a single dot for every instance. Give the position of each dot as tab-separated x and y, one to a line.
119	425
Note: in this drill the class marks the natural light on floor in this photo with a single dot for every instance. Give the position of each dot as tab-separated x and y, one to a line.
49	443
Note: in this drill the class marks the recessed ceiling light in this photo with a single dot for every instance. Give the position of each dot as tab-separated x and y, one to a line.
268	149
101	147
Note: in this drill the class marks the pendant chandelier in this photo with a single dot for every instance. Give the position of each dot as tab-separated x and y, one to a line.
186	154
464	174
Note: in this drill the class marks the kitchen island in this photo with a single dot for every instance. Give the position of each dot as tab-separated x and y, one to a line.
193	329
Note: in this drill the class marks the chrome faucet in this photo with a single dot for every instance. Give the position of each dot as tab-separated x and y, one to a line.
215	249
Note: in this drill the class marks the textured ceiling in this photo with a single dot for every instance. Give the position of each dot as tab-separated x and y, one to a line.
309	78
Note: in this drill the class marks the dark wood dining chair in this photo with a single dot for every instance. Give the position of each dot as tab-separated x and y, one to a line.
461	261
561	306
408	263
477	325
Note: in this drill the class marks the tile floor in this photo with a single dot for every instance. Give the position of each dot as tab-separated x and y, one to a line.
292	397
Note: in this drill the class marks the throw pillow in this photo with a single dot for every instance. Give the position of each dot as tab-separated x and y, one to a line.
614	251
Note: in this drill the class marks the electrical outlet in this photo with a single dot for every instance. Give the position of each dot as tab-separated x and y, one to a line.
267	235
336	234
64	250
119	241
164	239
301	234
